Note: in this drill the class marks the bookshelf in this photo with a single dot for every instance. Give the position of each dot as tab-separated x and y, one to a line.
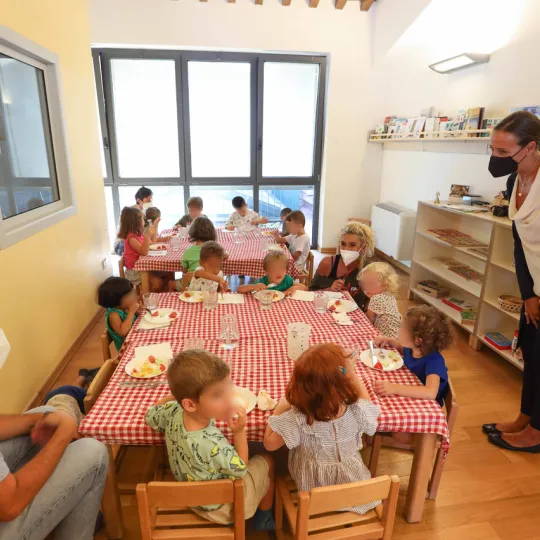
497	267
468	135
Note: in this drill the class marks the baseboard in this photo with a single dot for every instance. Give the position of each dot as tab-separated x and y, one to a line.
394	262
328	250
47	386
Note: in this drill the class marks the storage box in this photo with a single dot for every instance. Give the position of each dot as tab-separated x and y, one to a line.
459	304
468	318
433	288
499	341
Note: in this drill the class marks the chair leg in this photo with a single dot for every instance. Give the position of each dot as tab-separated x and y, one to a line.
278	511
436	475
376	444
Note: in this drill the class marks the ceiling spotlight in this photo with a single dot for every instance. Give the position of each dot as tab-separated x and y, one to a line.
461	61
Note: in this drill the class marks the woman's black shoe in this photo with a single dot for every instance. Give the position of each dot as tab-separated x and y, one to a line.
497	440
490	428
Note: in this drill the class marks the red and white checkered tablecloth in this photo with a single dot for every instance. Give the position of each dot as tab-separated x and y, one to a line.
245	258
259	362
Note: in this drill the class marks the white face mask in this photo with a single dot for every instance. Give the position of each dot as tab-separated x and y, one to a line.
349	256
147	205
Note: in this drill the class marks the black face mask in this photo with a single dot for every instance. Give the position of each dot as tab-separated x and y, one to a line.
503	166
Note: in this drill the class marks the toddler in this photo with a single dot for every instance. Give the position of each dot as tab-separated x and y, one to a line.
379	283
283	214
322	420
423	333
297	239
208	275
153	216
242	215
195	208
202	230
275	265
119	297
201	392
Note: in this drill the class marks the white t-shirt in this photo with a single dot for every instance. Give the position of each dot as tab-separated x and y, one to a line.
236	220
202	284
299	243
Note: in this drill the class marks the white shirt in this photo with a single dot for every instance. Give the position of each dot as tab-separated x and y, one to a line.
236	220
527	220
202	284
299	243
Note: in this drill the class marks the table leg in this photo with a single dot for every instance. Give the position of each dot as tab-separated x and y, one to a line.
421	471
145	282
111	507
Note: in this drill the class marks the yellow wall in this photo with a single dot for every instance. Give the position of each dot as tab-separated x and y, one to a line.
47	282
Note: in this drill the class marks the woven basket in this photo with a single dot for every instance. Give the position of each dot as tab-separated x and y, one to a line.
510	303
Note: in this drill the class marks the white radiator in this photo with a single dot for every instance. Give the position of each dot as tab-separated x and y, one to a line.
394	228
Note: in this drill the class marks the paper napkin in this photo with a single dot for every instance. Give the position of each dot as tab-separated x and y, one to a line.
230	298
160	253
159	350
342	318
305	296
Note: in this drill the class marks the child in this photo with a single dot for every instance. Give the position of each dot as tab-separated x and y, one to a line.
379	282
202	391
424	332
322	420
275	265
119	297
297	239
195	208
202	230
151	216
242	215
283	214
208	276
143	198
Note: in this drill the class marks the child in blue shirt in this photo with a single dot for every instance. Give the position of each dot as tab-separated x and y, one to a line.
423	333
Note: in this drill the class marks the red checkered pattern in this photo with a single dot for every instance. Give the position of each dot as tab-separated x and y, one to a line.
259	362
245	258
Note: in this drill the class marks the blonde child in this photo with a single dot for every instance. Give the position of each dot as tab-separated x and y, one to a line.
243	215
151	216
326	411
195	208
275	265
208	275
201	391
297	239
423	333
379	283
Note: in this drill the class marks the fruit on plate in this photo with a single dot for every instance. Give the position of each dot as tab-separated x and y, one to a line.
187	295
276	296
149	368
332	307
173	315
378	365
162	367
337	303
155	314
152	359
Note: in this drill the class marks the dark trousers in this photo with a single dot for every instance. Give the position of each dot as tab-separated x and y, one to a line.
529	340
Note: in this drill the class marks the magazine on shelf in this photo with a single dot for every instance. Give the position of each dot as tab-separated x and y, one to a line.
476	116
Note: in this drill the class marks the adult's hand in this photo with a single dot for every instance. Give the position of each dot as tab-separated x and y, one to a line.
49	424
338	285
532	310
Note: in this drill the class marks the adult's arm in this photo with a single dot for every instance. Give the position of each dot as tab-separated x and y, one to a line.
14	425
321	279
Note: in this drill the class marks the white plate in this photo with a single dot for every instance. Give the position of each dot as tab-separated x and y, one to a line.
137	363
280	295
158	247
388	363
248	397
163	316
274	247
194	297
342	306
226	230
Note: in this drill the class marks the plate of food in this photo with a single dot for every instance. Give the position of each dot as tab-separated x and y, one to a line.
245	398
386	360
274	247
158	247
268	233
146	368
277	295
192	297
158	316
339	305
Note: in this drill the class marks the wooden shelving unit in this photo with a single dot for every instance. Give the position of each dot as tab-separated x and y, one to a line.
497	267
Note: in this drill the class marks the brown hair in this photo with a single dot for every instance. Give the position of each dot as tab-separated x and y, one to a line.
319	385
297	217
151	214
195	202
192	371
202	230
130	222
524	125
211	249
431	326
273	256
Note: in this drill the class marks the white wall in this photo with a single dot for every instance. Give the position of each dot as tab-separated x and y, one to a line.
350	179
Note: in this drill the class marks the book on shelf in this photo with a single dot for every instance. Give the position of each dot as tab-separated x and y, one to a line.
469	317
489	123
475	118
499	341
432	124
459	304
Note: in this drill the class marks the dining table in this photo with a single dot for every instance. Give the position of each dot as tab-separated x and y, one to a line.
260	361
244	249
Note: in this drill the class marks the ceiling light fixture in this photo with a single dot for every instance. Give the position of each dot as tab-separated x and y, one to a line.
461	61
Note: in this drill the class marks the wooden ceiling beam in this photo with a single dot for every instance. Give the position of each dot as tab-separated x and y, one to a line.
366	4
340	4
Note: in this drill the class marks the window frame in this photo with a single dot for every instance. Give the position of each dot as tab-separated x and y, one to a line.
26	224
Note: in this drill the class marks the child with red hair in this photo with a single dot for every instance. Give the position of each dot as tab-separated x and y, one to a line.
326	411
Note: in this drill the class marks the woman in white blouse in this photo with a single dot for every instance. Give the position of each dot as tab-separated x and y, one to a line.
515	144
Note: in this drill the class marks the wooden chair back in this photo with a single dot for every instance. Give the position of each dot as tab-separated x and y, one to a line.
121	266
106	341
100	381
186	279
164	509
307	275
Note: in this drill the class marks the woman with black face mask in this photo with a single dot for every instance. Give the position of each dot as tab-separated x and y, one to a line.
515	145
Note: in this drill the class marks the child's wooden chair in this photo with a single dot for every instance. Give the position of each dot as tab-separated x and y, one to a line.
121	266
186	279
307	275
100	381
164	509
379	439
318	512
106	341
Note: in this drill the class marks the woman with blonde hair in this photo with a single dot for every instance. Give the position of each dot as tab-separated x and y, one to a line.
340	272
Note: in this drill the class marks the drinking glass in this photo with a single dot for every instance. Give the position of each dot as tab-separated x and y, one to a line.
266	298
228	334
193	343
263	244
176	242
320	301
150	300
238	235
209	299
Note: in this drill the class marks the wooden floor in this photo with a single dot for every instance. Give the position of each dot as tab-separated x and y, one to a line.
486	493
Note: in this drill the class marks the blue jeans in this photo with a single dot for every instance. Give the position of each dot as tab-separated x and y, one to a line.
69	501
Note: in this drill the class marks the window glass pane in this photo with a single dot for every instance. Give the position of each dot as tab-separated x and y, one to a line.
217	200
111	222
272	199
144	99
27	171
169	199
219	117
289	118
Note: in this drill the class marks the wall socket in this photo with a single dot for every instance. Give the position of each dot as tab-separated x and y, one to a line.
104	263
